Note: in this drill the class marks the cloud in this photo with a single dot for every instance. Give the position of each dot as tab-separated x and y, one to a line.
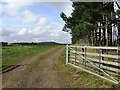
56	4
34	27
35	0
49	32
22	31
58	36
28	17
1	10
36	31
7	32
1	20
42	22
68	9
11	8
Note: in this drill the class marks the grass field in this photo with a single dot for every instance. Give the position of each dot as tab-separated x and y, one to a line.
14	54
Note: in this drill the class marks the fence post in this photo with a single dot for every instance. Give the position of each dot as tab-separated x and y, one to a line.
100	58
66	54
83	55
102	53
75	54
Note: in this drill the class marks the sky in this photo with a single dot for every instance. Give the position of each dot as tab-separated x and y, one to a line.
34	21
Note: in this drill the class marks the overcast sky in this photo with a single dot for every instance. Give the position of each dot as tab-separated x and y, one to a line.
34	21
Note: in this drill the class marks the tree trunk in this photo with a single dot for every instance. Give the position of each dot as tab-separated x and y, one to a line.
106	36
118	39
104	39
96	37
99	33
110	35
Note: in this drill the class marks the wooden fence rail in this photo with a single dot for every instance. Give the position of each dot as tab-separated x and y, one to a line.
100	61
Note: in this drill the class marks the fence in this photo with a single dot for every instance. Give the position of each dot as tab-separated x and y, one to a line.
103	62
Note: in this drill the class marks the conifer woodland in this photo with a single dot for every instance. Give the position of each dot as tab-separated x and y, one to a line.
97	23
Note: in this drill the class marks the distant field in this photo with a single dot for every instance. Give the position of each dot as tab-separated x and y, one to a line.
15	54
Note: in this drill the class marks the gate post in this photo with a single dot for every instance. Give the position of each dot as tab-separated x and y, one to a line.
66	54
83	55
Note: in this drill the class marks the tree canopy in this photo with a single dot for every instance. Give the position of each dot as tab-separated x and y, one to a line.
92	21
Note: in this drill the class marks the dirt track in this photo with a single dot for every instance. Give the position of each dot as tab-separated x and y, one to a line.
42	75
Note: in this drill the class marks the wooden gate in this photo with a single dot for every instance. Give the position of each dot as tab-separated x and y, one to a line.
103	62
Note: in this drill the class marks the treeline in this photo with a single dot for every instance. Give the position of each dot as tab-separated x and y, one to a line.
32	43
98	23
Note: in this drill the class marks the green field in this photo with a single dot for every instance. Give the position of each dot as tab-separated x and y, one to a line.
14	54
